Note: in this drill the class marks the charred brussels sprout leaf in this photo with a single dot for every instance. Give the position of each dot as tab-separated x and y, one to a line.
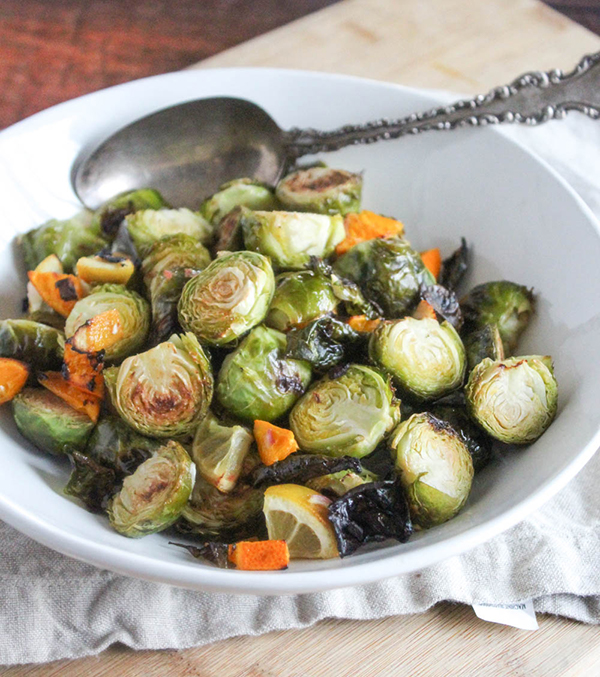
227	298
170	263
32	342
291	238
506	304
228	233
91	482
389	272
482	343
444	302
300	298
238	193
166	391
426	359
153	497
256	381
69	240
321	190
514	400
338	483
369	513
134	312
345	290
434	467
49	422
109	217
345	416
216	553
455	267
300	468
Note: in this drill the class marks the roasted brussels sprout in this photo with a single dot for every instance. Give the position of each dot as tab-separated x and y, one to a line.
300	468
434	466
227	298
506	304
170	263
133	310
90	482
321	190
109	216
155	495
219	452
291	238
257	382
347	415
237	193
455	267
69	240
166	391
31	342
49	422
426	359
148	226
389	272
338	483
300	298
514	400
482	343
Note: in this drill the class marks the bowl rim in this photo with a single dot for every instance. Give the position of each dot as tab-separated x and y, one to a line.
208	578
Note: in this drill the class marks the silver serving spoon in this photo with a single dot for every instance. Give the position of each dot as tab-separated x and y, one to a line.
190	149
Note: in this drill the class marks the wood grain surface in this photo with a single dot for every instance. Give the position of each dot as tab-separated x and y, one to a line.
456	44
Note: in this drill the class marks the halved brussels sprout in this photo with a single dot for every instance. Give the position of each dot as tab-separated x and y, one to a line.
237	193
166	391
219	452
170	263
389	272
338	483
69	240
257	382
434	466
155	495
506	304
134	312
49	422
227	298
148	226
321	190
32	342
291	238
482	343
300	298
347	415
109	216
427	359
514	400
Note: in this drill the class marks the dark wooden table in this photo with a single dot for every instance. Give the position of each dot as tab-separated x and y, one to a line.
54	50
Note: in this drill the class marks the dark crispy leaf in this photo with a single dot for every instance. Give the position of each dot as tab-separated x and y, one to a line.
455	266
212	552
482	343
369	513
123	244
299	468
229	232
444	302
90	482
380	461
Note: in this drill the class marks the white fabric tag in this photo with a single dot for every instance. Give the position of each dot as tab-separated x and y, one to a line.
520	615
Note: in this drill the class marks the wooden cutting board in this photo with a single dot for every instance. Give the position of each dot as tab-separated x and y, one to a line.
469	47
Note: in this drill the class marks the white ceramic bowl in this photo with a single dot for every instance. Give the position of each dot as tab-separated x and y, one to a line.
524	223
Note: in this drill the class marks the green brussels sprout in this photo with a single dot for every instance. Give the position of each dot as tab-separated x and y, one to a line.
109	216
168	266
426	359
166	391
257	382
321	190
434	467
49	422
148	226
229	517
514	400
300	298
338	483
32	342
134	312
237	193
346	414
155	495
506	304
389	272
292	238
69	240
227	298
482	343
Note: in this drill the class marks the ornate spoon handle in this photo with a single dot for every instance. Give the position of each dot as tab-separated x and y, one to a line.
532	99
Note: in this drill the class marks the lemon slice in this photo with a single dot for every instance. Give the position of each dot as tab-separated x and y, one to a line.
298	515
